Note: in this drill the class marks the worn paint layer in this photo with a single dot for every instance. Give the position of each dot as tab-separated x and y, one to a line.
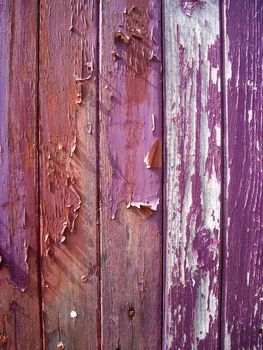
68	57
193	118
19	303
131	123
135	38
243	218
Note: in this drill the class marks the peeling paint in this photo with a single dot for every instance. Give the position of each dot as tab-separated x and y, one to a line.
153	158
128	117
140	205
193	173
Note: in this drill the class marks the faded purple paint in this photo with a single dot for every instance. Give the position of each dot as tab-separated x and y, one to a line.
132	132
194	169
17	144
243	274
131	121
19	300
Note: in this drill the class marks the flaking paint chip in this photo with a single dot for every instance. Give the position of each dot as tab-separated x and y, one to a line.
120	36
60	346
137	33
115	56
141	205
153	158
3	339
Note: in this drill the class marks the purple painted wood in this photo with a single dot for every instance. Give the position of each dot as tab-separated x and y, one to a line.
19	303
243	216
130	174
193	131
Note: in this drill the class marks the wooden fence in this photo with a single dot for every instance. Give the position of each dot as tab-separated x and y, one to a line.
131	174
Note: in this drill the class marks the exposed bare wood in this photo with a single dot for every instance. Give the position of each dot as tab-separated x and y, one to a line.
19	302
193	116
131	242
68	58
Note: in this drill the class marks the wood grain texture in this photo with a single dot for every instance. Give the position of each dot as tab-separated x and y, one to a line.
243	218
19	304
130	124
68	172
193	131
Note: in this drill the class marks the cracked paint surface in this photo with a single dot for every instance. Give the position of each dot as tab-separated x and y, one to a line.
68	185
131	192
243	274
193	174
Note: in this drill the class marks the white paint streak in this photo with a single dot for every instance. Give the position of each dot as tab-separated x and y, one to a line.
214	72
227	339
198	32
250	115
218	135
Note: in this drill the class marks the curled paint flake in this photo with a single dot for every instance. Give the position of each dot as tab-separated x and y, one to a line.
73	146
137	33
153	57
71	27
115	56
84	278
3	339
153	158
120	36
140	205
129	11
78	205
81	80
73	223
152	36
153	122
60	346
142	283
62	239
79	98
134	8
188	6
88	128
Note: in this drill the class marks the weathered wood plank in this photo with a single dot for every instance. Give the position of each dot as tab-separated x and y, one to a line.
131	123
68	172
19	304
243	218
193	117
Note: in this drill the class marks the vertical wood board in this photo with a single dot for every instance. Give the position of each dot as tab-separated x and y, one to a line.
68	57
19	303
131	193
243	218
193	132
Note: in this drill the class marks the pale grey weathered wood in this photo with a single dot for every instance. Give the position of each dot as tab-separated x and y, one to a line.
193	117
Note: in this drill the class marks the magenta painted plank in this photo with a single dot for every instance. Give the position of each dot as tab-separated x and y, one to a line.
130	174
19	303
243	216
193	176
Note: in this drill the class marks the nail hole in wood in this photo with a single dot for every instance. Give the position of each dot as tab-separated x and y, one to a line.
131	312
